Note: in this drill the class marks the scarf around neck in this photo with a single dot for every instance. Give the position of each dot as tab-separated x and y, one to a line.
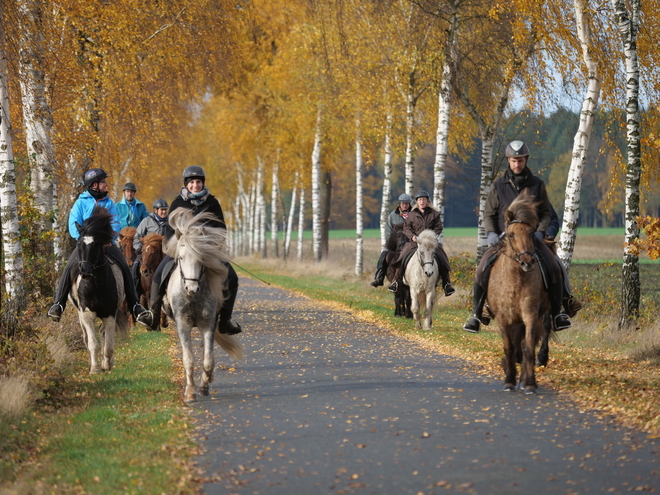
196	199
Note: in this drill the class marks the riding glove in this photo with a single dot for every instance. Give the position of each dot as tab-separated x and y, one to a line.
493	238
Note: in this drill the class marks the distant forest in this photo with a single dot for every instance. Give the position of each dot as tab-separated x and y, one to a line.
550	139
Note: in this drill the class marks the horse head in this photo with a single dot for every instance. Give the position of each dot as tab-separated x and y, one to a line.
95	236
427	243
152	254
521	223
125	242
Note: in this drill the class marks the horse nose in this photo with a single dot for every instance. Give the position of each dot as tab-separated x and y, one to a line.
526	263
429	273
192	289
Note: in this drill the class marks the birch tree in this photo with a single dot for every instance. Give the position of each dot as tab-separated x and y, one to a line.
37	115
11	237
581	140
387	181
292	211
628	23
301	224
316	191
359	223
274	201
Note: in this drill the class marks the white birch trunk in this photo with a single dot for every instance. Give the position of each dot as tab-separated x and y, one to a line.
292	211
387	181
442	143
410	137
316	192
301	224
274	198
57	238
581	139
359	223
630	288
487	141
261	207
37	114
11	237
252	216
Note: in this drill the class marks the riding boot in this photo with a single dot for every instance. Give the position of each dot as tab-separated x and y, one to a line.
63	289
135	273
158	289
562	320
379	276
225	323
478	299
395	284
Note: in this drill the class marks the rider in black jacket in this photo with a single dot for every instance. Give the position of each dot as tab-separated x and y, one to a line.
196	197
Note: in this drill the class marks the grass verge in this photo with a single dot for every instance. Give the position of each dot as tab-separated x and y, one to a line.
119	432
612	372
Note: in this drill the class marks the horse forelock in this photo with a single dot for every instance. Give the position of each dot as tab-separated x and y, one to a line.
523	209
204	243
98	226
154	240
427	240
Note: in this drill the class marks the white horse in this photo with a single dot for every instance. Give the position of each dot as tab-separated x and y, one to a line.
421	276
195	292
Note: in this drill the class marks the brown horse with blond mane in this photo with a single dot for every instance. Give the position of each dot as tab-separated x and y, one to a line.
517	295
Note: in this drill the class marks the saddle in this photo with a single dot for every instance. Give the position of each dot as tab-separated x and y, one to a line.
165	276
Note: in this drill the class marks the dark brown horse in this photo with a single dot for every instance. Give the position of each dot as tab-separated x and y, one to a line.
125	243
152	255
395	243
516	294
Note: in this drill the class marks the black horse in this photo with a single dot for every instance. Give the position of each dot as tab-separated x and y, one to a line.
97	288
402	300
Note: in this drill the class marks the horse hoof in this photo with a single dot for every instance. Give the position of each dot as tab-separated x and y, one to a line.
509	388
204	391
541	362
189	399
530	390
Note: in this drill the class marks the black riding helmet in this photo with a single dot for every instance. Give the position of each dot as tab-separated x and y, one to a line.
92	176
129	186
193	172
422	194
160	203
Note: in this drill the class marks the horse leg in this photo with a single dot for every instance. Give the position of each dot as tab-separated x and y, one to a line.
108	350
414	295
509	362
543	355
209	364
428	310
86	319
188	363
407	302
527	376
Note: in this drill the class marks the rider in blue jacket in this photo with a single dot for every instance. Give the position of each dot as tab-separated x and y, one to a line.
130	210
95	195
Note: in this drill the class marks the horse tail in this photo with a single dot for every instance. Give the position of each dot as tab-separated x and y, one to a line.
229	344
121	325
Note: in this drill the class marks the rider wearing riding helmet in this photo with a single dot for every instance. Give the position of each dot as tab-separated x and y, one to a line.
395	217
504	190
96	194
130	210
197	198
423	217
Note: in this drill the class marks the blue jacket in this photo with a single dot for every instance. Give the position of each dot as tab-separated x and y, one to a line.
124	209
82	210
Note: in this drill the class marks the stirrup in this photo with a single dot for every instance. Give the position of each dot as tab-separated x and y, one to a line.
145	317
472	324
55	312
393	286
449	289
562	322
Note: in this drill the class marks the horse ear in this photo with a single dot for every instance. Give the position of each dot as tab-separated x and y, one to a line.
177	233
508	216
79	227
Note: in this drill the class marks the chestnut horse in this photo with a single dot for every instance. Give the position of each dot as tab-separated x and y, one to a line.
516	293
395	243
125	243
152	255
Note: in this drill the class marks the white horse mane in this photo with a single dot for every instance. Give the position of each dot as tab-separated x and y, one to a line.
206	244
427	240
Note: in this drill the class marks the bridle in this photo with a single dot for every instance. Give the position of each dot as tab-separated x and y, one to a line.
517	254
148	265
421	259
185	279
104	261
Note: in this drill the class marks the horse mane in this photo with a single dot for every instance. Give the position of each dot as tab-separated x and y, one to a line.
99	226
206	244
427	240
128	232
523	209
396	236
152	239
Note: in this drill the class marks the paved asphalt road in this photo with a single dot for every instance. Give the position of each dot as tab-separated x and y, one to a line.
326	404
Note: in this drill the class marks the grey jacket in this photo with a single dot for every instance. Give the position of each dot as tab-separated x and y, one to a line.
148	226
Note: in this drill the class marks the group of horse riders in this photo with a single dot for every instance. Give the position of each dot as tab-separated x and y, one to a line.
130	212
517	178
